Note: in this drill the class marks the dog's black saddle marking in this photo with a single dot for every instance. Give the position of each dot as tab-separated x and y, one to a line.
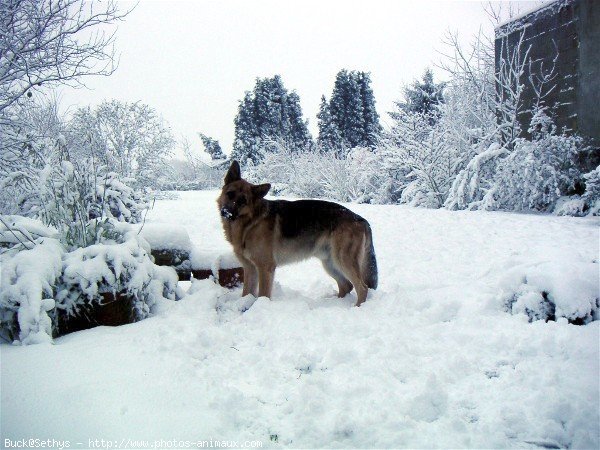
309	217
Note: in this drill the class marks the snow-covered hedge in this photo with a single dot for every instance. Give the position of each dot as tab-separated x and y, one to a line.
553	289
40	280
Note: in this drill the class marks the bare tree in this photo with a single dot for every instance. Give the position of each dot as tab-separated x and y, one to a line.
53	42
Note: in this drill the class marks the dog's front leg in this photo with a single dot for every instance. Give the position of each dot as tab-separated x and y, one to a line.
250	276
250	279
266	274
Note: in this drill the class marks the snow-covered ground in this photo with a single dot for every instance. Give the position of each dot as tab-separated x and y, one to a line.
432	359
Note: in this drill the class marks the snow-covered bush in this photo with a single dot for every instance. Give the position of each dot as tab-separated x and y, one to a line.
417	156
570	206
67	196
30	265
121	264
40	281
553	289
535	174
355	177
473	187
586	204
115	199
592	191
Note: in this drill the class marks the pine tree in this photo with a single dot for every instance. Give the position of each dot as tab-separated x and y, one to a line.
329	134
212	147
268	113
298	133
372	128
352	109
246	143
424	97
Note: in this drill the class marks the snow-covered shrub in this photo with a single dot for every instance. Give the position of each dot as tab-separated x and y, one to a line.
473	186
586	204
120	264
550	290
536	173
290	172
309	173
417	156
592	191
570	206
67	196
40	281
115	199
353	178
30	265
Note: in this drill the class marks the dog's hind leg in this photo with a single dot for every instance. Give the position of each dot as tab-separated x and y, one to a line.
348	253
352	271
344	285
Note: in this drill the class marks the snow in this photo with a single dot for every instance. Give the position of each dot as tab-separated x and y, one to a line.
113	267
431	360
26	282
517	20
166	236
16	229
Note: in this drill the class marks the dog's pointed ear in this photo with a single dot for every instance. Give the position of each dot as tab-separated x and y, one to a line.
260	190
233	174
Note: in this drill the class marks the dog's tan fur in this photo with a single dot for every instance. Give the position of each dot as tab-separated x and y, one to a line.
268	233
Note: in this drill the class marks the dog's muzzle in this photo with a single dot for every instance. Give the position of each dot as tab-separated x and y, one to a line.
227	214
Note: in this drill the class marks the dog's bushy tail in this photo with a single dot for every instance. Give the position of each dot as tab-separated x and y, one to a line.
370	267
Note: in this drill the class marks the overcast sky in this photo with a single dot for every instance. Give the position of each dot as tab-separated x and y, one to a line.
193	60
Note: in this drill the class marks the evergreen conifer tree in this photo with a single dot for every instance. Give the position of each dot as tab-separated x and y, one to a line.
212	147
247	136
423	97
372	128
352	108
329	134
268	113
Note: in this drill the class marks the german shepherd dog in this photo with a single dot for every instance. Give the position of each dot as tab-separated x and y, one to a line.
268	233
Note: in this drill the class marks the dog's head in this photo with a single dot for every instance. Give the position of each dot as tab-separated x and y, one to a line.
238	197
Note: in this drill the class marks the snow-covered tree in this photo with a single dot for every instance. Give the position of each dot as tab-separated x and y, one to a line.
53	42
247	141
352	111
329	139
347	109
418	159
268	113
372	129
424	97
212	147
130	138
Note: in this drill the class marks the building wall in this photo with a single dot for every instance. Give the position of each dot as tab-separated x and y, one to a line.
565	35
588	27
